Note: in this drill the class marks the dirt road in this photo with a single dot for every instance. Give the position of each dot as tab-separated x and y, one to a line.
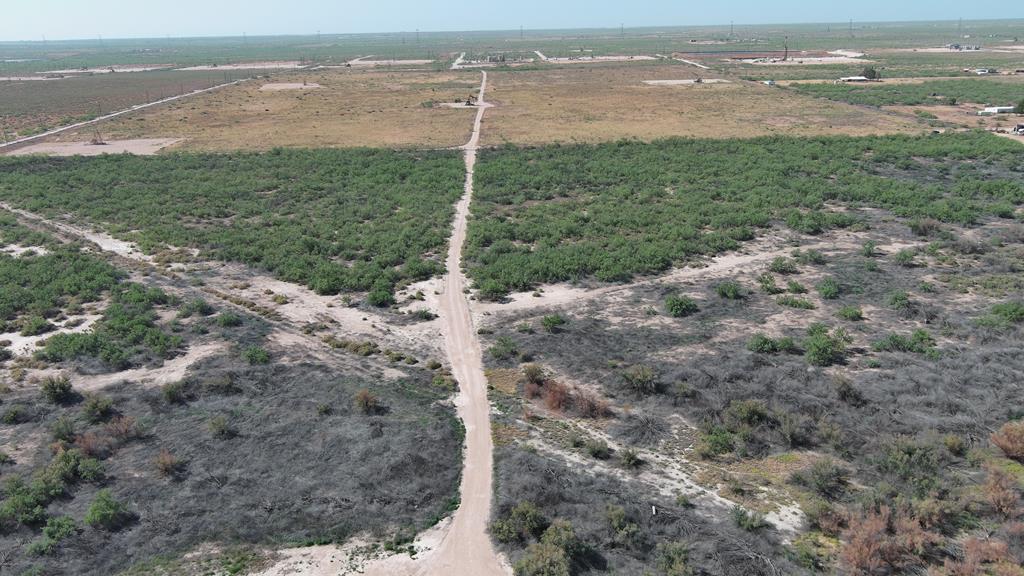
466	549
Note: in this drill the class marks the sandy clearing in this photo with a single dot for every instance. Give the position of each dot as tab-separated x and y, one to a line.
291	65
26	345
138	147
364	62
25	78
592	59
17	250
104	241
686	82
172	370
798	61
107	70
288	86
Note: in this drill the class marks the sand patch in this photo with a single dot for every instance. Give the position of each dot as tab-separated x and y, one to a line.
686	82
18	251
26	345
288	86
590	59
797	61
25	78
366	61
139	147
108	69
173	370
249	66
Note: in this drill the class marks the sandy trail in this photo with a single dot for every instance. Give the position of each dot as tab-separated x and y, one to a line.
467	549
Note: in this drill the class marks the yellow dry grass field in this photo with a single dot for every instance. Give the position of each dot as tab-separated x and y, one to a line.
600	103
349	108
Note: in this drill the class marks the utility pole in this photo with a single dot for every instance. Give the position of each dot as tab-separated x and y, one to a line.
622	30
732	29
960	27
851	28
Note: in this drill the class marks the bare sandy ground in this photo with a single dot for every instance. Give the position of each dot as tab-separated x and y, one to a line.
106	242
692	63
798	61
1014	137
686	82
24	78
140	147
248	66
17	250
288	86
172	370
366	61
26	345
107	69
591	59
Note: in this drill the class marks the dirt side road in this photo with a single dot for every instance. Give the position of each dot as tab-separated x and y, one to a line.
466	550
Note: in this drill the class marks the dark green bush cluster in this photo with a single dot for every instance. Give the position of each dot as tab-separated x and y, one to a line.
794	302
107	513
34	288
762	344
127	328
730	291
823	347
256	355
680	306
829	289
25	502
920	342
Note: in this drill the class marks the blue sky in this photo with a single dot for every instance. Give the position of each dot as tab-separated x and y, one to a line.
57	19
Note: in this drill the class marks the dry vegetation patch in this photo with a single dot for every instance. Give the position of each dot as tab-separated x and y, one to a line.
348	108
601	102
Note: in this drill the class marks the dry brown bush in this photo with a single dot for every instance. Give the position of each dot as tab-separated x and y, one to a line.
531	390
534	374
556	396
366	402
92	444
1001	493
980	557
590	404
123	428
885	542
167	464
1010	439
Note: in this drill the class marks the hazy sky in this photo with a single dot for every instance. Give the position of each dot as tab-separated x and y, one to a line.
56	19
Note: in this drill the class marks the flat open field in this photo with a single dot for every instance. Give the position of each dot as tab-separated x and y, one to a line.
599	103
350	108
35	106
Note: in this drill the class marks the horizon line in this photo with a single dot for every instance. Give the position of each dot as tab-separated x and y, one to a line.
103	38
